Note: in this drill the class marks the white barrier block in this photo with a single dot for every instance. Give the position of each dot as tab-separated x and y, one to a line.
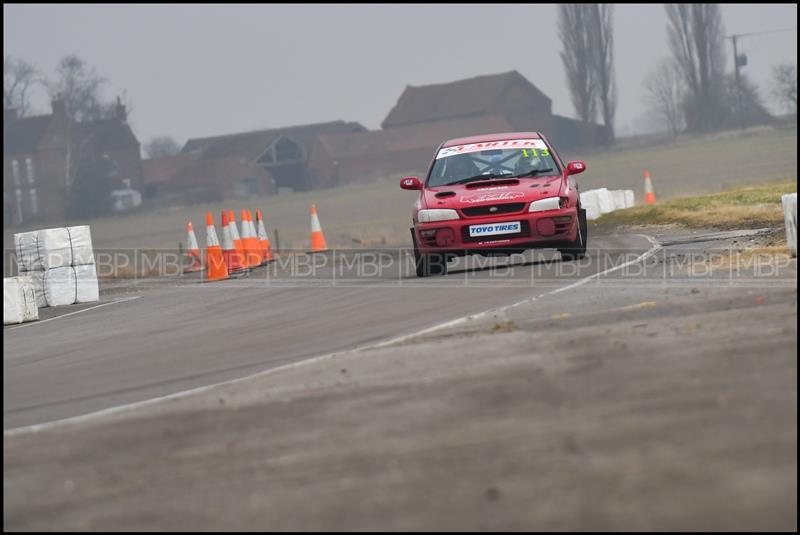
19	300
604	201
618	198
789	202
590	203
629	198
66	285
53	248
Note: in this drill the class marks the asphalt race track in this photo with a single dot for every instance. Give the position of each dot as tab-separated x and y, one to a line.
176	338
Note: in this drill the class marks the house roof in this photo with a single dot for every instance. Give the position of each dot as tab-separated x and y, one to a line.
160	170
21	136
110	133
252	144
461	98
204	172
410	137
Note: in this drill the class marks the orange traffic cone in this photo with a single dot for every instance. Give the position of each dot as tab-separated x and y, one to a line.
249	240
237	240
216	269
317	237
234	260
192	251
649	194
263	238
259	253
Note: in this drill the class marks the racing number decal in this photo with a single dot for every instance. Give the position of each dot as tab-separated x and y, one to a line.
535	153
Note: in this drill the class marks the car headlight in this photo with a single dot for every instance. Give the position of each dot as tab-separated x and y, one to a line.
550	203
428	216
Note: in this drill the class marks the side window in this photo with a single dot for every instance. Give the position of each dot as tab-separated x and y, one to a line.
19	205
34	201
15	172
29	169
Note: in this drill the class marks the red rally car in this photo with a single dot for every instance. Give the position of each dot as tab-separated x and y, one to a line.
496	194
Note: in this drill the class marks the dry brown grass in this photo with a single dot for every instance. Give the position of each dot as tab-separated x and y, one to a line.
747	207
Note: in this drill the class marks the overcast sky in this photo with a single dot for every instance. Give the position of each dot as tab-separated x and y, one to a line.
198	70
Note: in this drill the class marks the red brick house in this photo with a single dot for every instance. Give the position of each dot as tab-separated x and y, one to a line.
188	179
425	116
284	153
404	150
35	156
509	95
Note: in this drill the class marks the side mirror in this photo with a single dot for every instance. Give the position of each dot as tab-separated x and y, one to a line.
576	166
410	182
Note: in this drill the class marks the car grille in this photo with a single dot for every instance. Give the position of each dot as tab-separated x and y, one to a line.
525	231
507	208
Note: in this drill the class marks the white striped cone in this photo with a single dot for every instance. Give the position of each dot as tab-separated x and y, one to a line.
227	239
317	237
215	265
261	233
193	250
234	230
211	236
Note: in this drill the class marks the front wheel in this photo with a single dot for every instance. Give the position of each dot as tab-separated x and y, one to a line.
577	249
429	264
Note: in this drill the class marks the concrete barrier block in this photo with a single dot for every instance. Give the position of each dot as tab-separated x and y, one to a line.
605	201
590	203
789	202
629	198
618	198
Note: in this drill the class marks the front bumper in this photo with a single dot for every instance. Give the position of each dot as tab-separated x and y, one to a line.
538	229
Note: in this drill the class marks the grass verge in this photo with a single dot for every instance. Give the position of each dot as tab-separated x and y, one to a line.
745	207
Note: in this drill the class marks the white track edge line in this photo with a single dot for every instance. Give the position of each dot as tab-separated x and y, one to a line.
39	322
320	358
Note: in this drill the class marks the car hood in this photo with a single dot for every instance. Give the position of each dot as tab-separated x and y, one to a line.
490	192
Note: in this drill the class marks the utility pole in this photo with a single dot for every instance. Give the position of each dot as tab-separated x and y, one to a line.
738	87
741	61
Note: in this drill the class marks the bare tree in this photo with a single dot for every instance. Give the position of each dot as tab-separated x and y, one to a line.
19	78
80	87
664	94
744	103
161	146
574	22
695	34
784	86
602	32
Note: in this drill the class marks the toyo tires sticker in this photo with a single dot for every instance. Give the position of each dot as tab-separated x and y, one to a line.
493	229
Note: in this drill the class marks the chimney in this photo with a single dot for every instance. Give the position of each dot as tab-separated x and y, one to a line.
122	113
59	106
9	115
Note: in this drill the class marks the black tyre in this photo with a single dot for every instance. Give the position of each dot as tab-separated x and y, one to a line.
429	264
577	249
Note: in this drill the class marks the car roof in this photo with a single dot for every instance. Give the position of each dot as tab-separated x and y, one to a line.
505	136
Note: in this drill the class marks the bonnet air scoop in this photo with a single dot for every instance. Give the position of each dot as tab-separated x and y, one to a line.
490	183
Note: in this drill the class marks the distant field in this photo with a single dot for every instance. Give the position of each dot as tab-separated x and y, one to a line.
381	212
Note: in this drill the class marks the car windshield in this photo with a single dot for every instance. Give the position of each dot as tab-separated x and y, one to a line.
497	159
